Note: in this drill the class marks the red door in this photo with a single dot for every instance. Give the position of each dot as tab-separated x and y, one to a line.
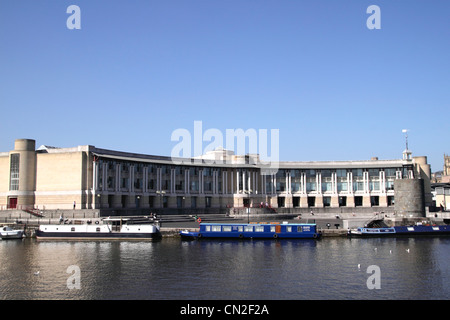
12	203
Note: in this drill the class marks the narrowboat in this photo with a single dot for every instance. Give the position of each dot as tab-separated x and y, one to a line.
10	233
117	228
397	231
263	230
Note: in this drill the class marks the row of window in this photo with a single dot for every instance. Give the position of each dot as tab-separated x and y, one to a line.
256	228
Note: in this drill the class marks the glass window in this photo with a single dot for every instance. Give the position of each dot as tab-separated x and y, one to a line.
215	228
208	228
14	172
259	229
248	228
390	172
299	229
289	229
240	228
272	229
342	186
326	186
310	173
311	186
341	173
226	228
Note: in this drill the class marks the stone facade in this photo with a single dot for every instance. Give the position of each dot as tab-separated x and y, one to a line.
86	177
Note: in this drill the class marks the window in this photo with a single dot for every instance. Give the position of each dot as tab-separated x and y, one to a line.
259	229
299	229
97	229
342	186
208	228
272	229
216	228
341	173
289	229
226	228
72	229
14	172
248	228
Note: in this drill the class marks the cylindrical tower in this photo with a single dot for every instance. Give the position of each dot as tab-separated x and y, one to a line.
409	197
22	182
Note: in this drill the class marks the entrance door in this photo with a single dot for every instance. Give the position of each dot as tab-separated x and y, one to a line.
12	203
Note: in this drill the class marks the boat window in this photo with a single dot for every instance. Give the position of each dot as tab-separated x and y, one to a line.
97	229
272	228
299	229
208	228
215	228
240	228
259	229
248	228
289	229
72	229
226	228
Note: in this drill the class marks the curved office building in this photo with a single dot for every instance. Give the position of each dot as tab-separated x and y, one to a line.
86	177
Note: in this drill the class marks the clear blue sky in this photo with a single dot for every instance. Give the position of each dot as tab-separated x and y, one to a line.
138	70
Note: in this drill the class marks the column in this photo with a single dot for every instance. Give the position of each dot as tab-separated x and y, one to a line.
131	178
145	179
95	175
104	177
117	177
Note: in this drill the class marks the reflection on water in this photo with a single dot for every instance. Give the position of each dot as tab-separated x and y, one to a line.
174	269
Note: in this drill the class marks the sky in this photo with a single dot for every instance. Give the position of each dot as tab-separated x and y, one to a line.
137	71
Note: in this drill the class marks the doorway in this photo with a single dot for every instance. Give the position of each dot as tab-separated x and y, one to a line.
12	203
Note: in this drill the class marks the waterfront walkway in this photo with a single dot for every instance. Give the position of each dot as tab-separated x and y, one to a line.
331	224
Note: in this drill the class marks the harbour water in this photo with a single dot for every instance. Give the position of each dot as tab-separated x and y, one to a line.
171	269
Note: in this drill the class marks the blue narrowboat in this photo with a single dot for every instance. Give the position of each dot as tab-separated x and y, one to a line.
263	230
417	230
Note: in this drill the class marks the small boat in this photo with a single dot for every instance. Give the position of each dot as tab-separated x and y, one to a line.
10	233
264	230
408	231
117	228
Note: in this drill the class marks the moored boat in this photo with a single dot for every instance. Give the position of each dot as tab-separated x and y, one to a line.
10	233
117	228
263	230
397	231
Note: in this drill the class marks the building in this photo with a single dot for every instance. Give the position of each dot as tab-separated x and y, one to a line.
444	176
441	196
86	177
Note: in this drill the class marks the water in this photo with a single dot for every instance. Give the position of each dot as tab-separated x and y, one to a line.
216	270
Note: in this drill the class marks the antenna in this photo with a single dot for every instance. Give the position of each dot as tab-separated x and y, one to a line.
405	131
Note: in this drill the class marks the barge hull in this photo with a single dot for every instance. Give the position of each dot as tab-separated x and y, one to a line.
95	236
